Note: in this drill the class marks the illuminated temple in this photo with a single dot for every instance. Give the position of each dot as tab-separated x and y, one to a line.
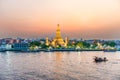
58	40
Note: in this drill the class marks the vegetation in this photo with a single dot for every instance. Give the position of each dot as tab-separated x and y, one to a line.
35	43
110	43
94	45
74	45
83	44
43	46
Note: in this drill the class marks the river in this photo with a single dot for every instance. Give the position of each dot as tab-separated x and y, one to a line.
59	66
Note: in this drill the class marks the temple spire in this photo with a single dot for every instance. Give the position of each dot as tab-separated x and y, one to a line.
58	25
58	32
58	40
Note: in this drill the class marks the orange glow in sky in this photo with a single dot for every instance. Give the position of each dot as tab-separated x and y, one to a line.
77	18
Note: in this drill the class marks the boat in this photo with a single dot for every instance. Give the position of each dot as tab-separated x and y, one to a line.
99	59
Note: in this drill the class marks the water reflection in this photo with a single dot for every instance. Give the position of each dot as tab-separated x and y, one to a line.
58	59
58	66
8	59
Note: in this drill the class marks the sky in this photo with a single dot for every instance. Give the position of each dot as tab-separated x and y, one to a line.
87	19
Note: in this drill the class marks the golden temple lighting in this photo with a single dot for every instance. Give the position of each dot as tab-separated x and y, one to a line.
58	40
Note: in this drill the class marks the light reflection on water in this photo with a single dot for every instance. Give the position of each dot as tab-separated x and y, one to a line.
59	66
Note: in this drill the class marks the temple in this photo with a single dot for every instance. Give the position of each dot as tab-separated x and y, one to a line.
58	40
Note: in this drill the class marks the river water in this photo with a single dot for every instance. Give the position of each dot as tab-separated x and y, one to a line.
59	66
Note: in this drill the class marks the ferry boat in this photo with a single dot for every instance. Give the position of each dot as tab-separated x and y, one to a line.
99	59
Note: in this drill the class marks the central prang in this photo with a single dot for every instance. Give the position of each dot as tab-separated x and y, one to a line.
58	40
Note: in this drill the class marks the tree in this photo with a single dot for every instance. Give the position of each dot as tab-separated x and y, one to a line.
80	44
86	45
83	44
44	46
35	43
110	43
94	45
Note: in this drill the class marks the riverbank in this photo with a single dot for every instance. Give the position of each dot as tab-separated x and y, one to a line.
59	50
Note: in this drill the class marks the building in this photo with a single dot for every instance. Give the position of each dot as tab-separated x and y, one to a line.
58	40
21	46
6	47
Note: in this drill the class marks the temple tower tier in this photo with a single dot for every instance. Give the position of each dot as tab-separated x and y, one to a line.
58	40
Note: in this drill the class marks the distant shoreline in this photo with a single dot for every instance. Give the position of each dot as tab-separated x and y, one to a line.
54	50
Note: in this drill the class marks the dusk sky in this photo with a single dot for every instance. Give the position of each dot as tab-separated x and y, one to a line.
88	19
